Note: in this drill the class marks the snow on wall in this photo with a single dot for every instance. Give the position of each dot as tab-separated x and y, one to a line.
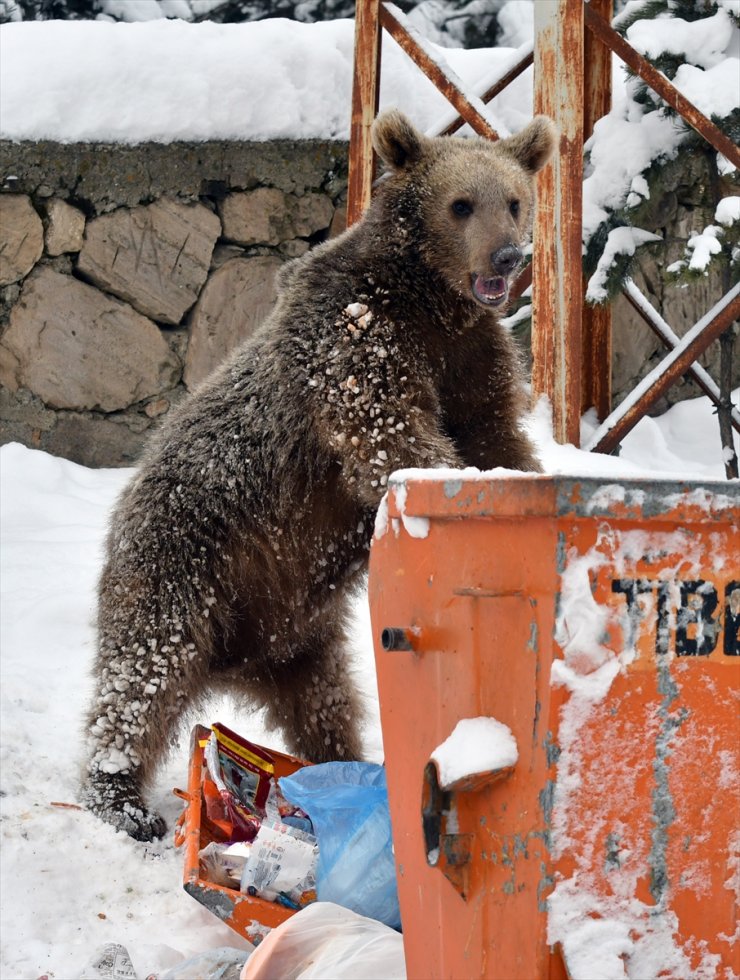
167	80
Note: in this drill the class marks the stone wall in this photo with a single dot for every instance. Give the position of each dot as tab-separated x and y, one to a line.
127	273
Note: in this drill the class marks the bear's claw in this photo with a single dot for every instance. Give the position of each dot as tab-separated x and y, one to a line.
117	802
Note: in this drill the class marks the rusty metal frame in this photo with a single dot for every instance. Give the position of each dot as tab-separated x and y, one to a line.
660	84
571	341
720	318
395	22
596	380
640	303
365	96
521	65
611	432
557	295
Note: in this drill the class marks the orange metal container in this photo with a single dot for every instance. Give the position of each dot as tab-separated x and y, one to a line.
600	624
250	917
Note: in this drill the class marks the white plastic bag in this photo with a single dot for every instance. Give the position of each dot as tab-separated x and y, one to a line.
328	942
224	963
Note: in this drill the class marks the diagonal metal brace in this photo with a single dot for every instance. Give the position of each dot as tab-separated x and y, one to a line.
623	419
662	330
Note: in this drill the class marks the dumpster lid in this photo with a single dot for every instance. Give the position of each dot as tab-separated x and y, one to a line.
446	493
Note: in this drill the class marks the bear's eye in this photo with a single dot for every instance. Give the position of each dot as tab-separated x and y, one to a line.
462	208
514	208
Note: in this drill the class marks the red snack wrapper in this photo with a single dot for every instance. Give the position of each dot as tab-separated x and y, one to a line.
242	774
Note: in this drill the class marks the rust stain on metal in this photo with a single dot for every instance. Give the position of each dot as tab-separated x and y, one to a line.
365	95
596	375
626	421
557	295
596	388
660	84
434	72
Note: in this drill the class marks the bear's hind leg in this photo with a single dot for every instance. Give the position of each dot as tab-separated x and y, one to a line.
145	683
312	696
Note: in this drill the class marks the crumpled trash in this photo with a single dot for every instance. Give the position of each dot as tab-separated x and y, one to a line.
325	940
110	962
347	803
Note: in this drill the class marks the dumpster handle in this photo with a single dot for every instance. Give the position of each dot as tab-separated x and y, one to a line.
434	803
449	852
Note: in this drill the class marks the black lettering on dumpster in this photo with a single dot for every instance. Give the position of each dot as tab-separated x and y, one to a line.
699	619
731	647
699	601
631	588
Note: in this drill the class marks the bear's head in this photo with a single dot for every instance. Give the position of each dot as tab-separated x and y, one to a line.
465	204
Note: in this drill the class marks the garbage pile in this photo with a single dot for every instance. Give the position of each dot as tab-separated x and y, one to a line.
270	850
322	833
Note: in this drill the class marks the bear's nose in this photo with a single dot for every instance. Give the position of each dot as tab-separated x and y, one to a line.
505	259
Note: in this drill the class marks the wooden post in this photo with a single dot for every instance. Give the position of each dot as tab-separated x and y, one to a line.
596	376
557	297
365	94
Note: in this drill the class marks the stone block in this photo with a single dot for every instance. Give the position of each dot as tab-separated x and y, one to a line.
78	348
94	440
236	299
21	237
65	229
21	408
155	257
267	216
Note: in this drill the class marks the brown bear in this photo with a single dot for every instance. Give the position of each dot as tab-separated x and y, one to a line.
232	553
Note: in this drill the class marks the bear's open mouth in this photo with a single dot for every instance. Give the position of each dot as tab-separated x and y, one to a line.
490	292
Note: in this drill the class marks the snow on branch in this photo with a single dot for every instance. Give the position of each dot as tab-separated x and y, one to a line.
620	241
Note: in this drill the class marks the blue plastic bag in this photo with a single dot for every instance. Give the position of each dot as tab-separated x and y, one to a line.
348	806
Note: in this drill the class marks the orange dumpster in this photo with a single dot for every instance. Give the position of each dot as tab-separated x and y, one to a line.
597	625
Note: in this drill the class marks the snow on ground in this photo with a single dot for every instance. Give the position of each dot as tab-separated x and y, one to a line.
69	882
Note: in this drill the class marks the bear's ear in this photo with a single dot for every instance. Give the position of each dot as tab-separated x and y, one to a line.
533	146
396	141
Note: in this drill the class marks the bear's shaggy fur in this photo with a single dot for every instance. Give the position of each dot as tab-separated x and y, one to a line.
232	552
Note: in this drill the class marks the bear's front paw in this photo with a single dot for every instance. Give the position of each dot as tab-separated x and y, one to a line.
115	800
